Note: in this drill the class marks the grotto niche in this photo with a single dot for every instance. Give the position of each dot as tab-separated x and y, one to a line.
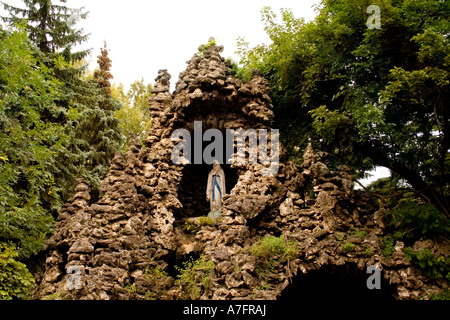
272	239
192	189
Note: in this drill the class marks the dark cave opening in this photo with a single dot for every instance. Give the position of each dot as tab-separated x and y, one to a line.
345	283
192	189
175	263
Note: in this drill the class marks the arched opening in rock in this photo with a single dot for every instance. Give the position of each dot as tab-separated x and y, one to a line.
192	189
337	283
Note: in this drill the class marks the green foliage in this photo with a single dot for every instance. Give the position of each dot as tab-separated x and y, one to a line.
369	97
187	277
193	225
282	64
361	234
444	295
271	246
155	272
85	106
50	26
211	42
388	248
149	295
270	251
134	116
206	221
389	241
56	125
348	247
385	187
131	288
157	282
368	252
190	226
417	219
431	265
47	141
327	123
15	279
61	295
29	145
239	72
99	129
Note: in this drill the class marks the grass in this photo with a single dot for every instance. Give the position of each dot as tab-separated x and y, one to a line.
361	234
190	226
271	246
187	276
348	247
131	288
368	252
155	272
193	225
270	251
443	295
206	221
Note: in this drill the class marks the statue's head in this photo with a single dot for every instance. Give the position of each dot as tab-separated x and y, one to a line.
216	164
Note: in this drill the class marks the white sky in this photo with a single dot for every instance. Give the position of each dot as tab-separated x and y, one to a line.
375	174
145	36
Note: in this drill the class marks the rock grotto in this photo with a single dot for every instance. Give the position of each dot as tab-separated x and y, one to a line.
298	233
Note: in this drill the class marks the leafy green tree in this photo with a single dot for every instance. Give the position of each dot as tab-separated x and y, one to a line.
286	78
29	145
367	96
52	29
134	117
15	279
139	93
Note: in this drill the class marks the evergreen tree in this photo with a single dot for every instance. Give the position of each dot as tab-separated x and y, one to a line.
51	28
367	96
99	129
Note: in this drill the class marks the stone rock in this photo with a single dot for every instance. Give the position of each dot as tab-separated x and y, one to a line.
234	280
151	213
319	169
253	205
225	267
221	254
286	208
82	246
215	214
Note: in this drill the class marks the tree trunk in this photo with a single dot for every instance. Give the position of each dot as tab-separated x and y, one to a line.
426	192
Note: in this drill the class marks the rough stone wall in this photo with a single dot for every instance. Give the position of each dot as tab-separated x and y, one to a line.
127	243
